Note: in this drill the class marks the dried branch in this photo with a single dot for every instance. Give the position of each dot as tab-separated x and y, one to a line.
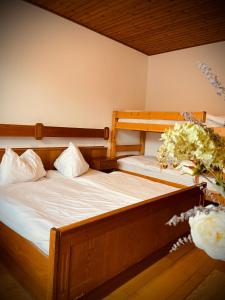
184	216
180	242
213	79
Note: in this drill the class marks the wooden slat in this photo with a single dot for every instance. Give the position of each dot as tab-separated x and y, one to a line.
143	127
120	148
50	131
154	115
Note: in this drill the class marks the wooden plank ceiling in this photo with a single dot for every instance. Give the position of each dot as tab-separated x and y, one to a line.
149	26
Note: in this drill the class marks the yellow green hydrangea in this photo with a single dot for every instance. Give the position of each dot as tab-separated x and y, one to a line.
196	143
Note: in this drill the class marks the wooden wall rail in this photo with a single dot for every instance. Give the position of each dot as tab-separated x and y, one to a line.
17	130
39	131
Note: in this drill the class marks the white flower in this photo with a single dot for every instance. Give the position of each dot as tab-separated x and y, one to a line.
208	233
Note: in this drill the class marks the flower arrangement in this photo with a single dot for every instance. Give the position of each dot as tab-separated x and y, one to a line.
197	150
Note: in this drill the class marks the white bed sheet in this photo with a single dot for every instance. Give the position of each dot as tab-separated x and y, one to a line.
148	165
33	208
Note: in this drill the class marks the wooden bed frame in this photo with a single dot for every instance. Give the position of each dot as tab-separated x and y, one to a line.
143	127
88	259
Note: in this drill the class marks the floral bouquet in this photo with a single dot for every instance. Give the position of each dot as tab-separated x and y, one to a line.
198	150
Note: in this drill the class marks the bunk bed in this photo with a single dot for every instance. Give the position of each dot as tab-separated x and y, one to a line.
89	258
143	122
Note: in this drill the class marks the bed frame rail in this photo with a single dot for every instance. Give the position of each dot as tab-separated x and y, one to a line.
89	254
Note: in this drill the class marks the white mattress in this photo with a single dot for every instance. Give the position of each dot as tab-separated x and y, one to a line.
33	208
149	166
211	121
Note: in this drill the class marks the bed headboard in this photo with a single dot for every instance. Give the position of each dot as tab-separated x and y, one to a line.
49	154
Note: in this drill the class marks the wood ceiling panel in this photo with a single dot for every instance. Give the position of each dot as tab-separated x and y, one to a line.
150	26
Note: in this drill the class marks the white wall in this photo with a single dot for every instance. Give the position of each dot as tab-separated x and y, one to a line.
175	83
59	73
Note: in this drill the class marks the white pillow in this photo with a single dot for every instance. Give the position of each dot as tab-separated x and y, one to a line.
15	168
71	163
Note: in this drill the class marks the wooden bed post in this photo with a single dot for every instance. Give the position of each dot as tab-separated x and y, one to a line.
142	142
113	135
53	264
203	116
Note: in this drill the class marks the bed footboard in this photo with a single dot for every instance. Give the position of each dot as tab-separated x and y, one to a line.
90	253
